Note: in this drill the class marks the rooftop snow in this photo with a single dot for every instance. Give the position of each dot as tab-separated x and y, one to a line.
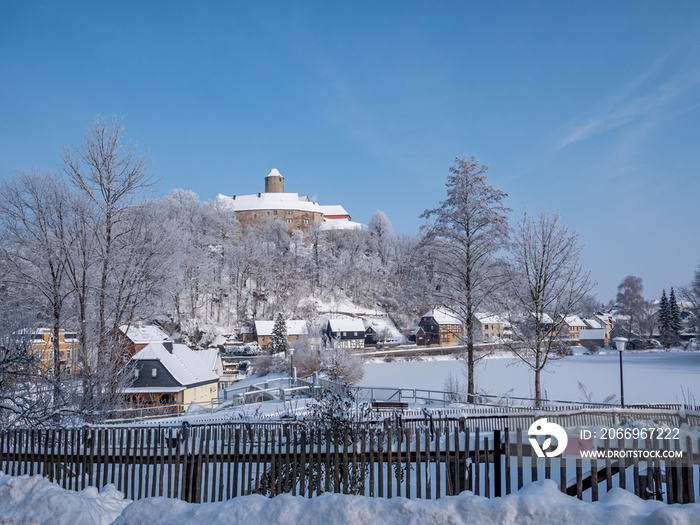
589	334
488	319
574	320
334	209
144	334
340	224
347	325
183	363
442	316
294	327
277	201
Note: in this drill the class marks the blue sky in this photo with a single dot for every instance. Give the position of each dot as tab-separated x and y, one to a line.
589	108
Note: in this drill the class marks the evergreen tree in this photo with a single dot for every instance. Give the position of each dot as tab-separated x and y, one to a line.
674	312
279	342
664	317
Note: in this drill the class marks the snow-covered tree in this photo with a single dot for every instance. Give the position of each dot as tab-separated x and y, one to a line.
107	170
546	285
342	364
630	303
665	320
32	231
691	293
382	230
279	342
466	231
674	316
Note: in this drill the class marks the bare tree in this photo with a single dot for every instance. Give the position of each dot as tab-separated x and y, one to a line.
547	284
110	174
691	293
382	230
631	304
27	392
468	228
32	210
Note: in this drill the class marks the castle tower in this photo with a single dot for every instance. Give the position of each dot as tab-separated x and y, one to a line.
274	182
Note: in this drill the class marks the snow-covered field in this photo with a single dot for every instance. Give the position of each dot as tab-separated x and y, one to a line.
649	377
33	500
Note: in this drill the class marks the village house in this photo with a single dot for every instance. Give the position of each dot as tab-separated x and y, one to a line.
571	327
41	341
345	333
167	373
439	327
262	331
133	338
598	321
491	326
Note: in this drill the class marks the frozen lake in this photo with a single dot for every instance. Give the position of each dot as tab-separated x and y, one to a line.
650	377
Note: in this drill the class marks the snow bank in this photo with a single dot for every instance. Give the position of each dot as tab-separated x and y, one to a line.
33	500
36	501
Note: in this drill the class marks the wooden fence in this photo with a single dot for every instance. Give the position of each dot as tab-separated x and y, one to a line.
218	462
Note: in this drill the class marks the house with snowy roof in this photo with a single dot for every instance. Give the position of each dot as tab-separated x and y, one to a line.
167	373
297	212
296	329
439	326
571	327
135	337
490	326
599	321
345	333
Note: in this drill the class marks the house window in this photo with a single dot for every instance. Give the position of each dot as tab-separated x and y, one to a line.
154	372
355	334
345	334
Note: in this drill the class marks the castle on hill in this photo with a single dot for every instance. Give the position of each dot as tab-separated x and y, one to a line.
299	213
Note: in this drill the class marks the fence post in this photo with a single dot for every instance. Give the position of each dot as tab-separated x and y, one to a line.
497	463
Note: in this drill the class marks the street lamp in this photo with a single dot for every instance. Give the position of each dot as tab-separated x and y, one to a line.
291	364
620	344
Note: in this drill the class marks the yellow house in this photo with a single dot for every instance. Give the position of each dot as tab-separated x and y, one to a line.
166	373
41	341
296	328
491	326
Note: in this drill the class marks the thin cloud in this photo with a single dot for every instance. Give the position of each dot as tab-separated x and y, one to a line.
622	112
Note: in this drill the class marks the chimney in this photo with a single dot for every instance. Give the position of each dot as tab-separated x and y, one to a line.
168	346
259	195
234	197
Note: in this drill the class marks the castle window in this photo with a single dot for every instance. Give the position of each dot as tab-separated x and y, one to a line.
289	212
275	212
255	216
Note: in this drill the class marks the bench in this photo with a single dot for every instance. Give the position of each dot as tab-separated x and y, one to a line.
389	404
